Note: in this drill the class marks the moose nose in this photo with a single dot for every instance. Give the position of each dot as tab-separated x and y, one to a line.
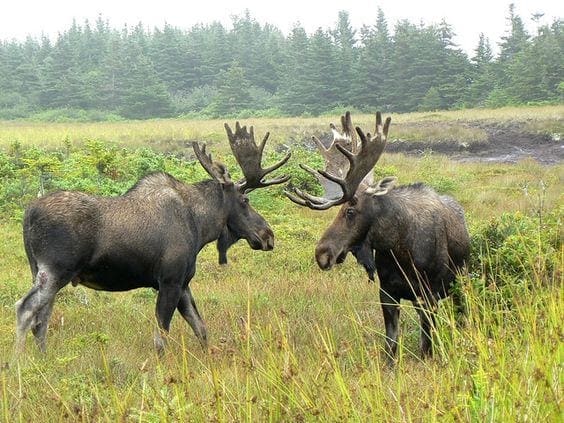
325	258
267	237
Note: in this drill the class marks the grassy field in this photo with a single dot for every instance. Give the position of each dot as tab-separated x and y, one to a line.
171	134
292	343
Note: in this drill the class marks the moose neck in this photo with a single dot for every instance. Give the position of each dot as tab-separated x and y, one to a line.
209	210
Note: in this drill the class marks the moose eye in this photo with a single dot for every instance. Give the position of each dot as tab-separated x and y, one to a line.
350	212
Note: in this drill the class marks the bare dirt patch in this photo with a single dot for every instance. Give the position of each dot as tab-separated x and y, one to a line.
507	142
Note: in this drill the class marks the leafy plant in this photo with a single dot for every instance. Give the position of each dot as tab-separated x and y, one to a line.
516	252
299	177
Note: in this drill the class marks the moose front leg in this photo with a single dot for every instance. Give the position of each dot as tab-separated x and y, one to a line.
391	311
225	240
365	256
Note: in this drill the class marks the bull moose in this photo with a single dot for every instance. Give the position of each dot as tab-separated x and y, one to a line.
148	237
416	239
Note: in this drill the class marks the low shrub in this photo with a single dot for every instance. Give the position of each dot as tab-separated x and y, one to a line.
515	253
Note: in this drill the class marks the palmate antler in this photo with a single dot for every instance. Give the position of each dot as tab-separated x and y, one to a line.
360	163
335	162
249	157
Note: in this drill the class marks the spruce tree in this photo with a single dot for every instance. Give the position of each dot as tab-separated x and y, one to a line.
373	72
346	56
482	76
143	94
324	86
136	72
513	42
169	57
516	38
233	92
535	72
291	92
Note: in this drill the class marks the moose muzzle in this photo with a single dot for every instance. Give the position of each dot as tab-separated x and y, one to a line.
263	240
325	257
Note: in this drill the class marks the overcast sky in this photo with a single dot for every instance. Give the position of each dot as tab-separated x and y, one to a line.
19	18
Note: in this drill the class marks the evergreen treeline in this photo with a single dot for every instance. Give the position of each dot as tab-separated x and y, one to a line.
208	70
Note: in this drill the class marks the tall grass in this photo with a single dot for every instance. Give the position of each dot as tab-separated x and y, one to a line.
292	343
290	348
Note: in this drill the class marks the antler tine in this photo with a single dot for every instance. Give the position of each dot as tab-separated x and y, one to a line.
263	143
340	181
319	145
322	176
348	154
249	157
387	127
361	163
277	165
310	201
311	198
266	183
262	183
295	199
335	162
216	170
309	170
378	120
381	132
346	124
336	134
349	130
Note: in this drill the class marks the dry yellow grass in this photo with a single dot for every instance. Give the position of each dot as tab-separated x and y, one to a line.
170	134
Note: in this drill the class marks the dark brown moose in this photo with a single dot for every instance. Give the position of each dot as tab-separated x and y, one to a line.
418	238
148	237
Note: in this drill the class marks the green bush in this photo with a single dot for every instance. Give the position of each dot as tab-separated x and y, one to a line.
499	97
515	252
99	168
299	177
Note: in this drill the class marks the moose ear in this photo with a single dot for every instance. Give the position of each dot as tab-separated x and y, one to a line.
382	187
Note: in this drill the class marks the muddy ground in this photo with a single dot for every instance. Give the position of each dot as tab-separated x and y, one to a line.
506	143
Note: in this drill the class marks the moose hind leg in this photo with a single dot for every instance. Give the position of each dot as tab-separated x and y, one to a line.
460	306
39	328
188	310
427	317
167	301
34	309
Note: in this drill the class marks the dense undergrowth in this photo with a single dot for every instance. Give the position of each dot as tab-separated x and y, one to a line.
289	342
